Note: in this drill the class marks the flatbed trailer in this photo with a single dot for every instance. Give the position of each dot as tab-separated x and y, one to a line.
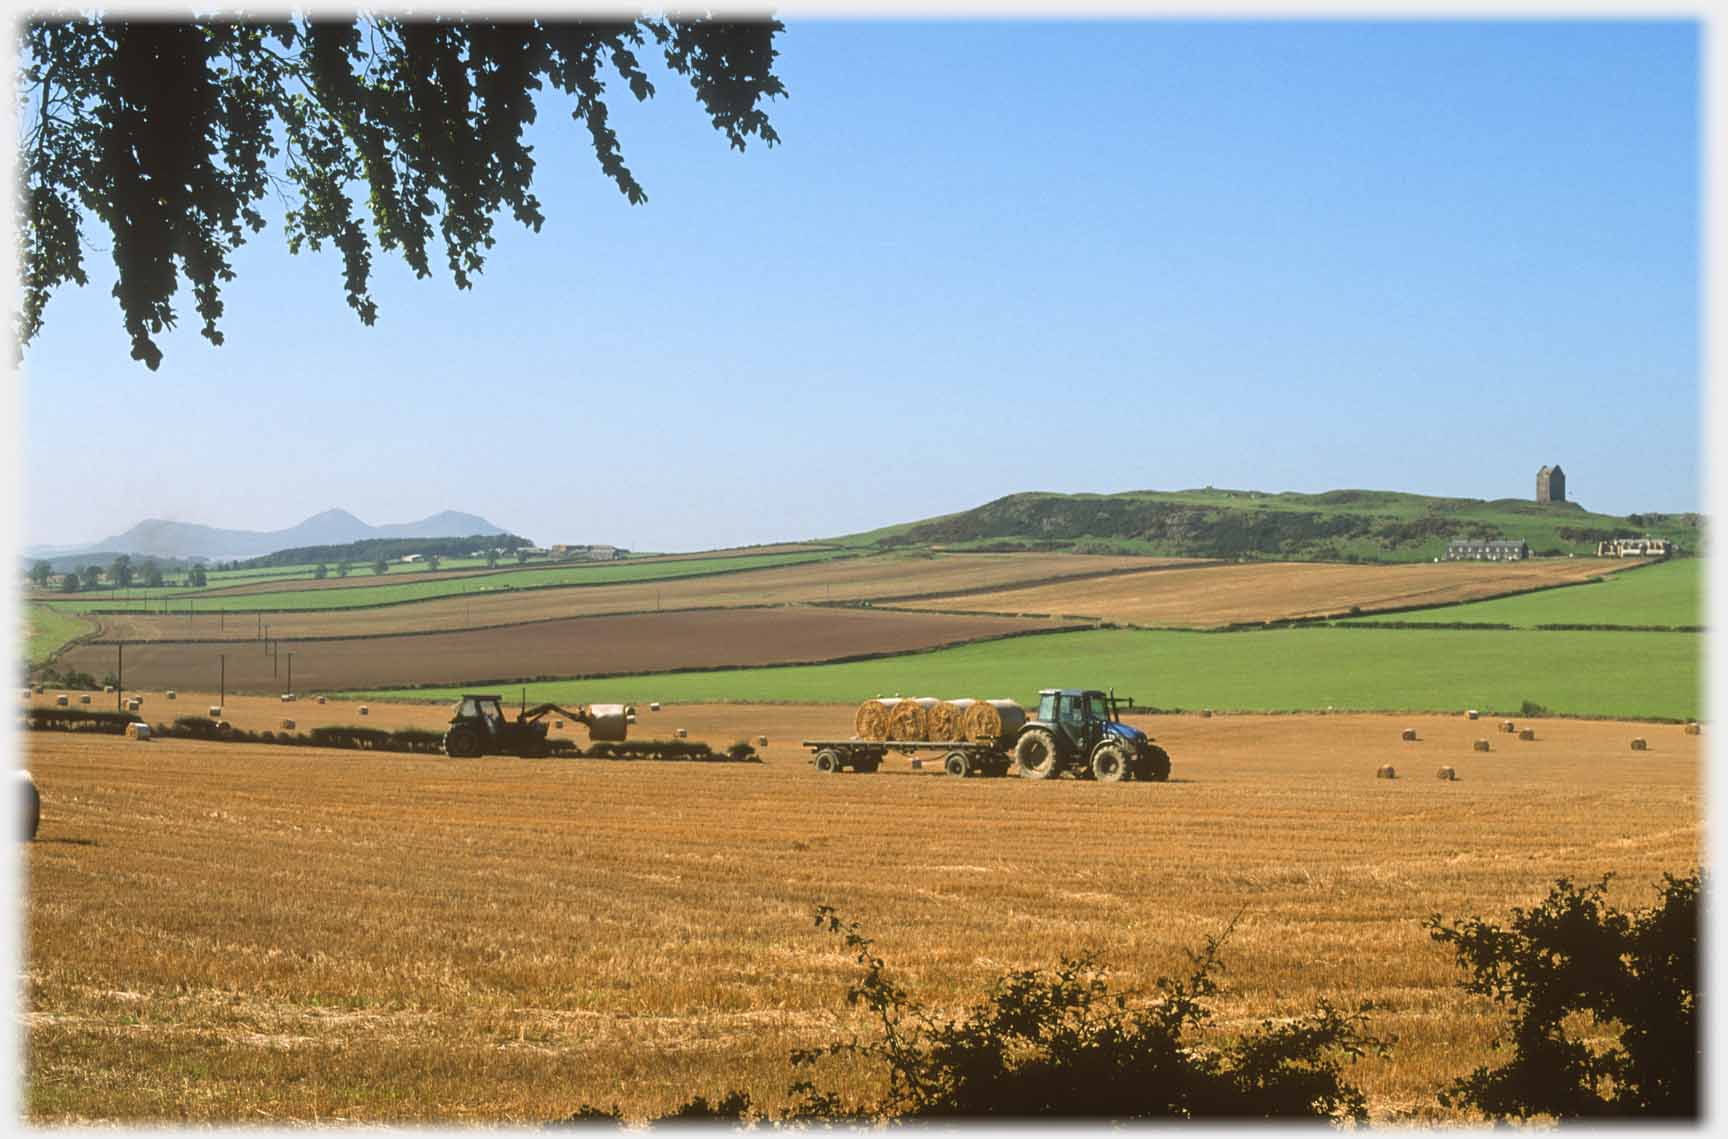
960	757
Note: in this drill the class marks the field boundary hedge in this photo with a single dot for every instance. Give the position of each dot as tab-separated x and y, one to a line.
346	737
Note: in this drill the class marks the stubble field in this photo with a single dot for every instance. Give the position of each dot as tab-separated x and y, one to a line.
1272	591
226	933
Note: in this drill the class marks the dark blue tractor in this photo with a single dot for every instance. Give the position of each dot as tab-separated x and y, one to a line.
1079	730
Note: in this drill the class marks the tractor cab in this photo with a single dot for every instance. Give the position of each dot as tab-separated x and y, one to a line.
484	711
1080	717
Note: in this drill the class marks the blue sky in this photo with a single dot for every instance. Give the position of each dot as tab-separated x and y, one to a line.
989	257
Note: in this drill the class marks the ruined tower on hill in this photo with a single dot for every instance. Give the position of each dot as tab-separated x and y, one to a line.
1551	484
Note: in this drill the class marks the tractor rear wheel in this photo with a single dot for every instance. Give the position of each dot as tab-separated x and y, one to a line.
461	742
1035	752
957	763
866	766
1110	764
828	761
1157	764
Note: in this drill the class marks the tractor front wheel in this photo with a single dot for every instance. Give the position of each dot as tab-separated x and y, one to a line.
1035	752
957	763
1110	764
828	761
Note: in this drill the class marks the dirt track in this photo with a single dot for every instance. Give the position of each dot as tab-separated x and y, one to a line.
650	642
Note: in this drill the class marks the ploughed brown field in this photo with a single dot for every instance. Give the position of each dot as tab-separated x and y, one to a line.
583	646
233	933
844	579
1232	594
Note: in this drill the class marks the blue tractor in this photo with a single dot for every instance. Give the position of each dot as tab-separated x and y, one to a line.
1079	730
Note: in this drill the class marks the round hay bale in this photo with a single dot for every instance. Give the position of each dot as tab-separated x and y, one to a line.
224	728
170	694
364	710
1527	733
107	688
1639	743
215	711
84	698
870	722
1386	771
680	733
1508	726
41	688
1448	774
1205	713
1470	715
62	700
138	731
1691	729
1407	734
654	706
1482	745
29	806
134	705
910	719
948	719
558	725
320	699
990	720
761	741
287	725
609	723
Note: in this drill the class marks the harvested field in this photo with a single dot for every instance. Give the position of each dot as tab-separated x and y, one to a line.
253	934
1233	594
584	646
847	579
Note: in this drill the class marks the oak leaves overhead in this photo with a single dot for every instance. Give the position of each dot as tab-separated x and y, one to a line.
374	133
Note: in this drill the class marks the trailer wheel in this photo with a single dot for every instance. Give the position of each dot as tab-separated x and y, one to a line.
1110	764
1157	767
957	763
828	761
1035	752
461	742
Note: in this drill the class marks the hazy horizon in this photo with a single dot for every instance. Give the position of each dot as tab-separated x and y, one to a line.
989	257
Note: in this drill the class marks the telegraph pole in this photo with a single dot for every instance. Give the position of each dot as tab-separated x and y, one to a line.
222	684
290	670
120	675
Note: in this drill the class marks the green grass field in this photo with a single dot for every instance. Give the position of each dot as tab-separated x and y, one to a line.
1668	594
1655	675
401	589
45	631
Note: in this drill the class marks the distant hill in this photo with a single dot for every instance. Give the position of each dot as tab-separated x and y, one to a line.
1338	525
157	538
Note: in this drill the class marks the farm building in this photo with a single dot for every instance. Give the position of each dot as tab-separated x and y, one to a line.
1634	548
1494	550
1551	484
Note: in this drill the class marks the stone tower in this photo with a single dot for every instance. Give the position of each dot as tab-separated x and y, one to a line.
1551	484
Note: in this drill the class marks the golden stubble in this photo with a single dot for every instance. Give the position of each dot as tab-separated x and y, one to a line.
227	933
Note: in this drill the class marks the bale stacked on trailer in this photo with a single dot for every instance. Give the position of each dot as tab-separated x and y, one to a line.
991	720
910	719
871	720
948	719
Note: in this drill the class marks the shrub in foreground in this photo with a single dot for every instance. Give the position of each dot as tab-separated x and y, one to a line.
1604	1005
1061	1043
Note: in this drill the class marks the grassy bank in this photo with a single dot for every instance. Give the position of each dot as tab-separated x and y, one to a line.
1654	675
